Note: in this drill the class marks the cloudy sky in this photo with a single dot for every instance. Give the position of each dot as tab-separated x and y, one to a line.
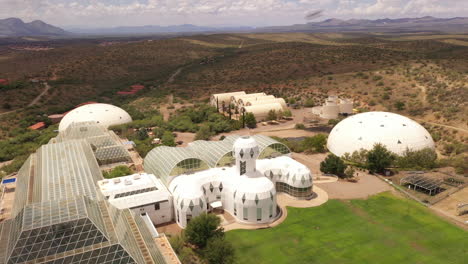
109	13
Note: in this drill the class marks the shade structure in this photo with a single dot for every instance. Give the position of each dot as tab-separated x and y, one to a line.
362	131
103	114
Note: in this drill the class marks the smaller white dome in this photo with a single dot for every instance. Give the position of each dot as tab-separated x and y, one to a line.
103	114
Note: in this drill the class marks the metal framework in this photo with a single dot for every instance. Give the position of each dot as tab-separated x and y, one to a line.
423	182
167	162
105	144
60	217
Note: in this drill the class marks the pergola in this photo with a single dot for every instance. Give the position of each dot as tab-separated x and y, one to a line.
423	182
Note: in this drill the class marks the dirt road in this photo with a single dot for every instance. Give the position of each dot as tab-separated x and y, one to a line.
33	102
447	126
36	100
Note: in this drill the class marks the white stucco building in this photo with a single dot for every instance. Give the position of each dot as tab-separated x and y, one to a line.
102	114
200	177
396	132
333	106
142	193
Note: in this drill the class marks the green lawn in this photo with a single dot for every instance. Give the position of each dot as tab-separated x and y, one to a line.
382	229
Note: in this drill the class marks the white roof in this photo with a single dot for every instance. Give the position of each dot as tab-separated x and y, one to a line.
131	185
364	130
104	114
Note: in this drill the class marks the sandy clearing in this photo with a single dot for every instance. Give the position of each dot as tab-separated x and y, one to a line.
368	185
449	204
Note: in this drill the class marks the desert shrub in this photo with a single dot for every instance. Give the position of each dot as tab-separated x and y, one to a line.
309	102
272	115
299	126
333	122
204	133
287	113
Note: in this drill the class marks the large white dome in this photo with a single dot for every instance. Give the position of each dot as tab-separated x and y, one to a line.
104	114
364	130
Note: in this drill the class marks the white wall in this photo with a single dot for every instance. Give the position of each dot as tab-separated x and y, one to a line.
163	215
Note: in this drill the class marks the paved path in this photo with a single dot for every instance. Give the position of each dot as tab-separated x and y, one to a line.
284	200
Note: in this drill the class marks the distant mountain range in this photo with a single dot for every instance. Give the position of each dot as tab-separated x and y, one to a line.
13	27
427	23
152	29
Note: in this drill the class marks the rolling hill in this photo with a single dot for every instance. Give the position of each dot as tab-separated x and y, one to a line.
15	27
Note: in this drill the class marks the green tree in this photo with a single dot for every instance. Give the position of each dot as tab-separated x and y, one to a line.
204	133
333	165
272	115
420	159
249	119
168	139
142	134
158	132
316	143
379	158
219	251
349	172
203	227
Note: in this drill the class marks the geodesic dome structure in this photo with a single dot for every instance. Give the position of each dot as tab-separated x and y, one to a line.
103	114
362	131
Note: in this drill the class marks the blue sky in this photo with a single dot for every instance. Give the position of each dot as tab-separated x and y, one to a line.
108	13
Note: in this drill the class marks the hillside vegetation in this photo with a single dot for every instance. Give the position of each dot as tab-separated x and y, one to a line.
421	76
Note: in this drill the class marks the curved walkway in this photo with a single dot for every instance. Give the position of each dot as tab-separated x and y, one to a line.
283	201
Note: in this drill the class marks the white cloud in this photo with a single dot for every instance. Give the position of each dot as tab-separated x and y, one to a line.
215	12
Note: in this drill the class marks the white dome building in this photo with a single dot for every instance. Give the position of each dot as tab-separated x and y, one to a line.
364	130
246	190
103	114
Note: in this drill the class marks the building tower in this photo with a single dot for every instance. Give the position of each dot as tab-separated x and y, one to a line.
245	151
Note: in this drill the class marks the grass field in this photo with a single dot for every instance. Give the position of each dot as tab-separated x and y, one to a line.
382	229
